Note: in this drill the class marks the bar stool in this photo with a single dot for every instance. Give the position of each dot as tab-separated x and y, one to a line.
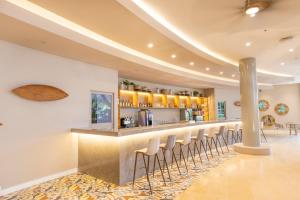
151	150
234	133
219	134
169	146
199	139
212	141
185	142
262	131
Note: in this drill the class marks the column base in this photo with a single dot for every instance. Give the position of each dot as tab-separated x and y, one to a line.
262	150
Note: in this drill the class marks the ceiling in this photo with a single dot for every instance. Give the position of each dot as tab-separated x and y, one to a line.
116	22
222	27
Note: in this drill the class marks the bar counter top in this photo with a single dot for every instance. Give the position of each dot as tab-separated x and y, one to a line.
138	130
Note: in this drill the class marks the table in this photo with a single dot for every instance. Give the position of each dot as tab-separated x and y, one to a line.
293	126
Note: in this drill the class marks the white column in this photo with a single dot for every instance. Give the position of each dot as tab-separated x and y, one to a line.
249	110
249	102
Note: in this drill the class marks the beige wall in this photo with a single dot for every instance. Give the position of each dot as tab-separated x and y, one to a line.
230	95
288	94
35	140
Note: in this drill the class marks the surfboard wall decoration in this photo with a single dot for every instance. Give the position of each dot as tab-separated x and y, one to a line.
36	92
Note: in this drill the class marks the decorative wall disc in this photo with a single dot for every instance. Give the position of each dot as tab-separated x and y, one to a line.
281	109
268	120
263	105
40	92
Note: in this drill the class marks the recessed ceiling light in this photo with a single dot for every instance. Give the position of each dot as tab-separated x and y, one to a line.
207	68
192	63
173	56
282	63
221	73
291	50
150	45
233	75
248	44
252	10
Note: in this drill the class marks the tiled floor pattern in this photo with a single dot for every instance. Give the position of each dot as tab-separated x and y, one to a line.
83	187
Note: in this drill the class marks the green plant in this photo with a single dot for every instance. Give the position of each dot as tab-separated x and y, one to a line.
126	82
132	83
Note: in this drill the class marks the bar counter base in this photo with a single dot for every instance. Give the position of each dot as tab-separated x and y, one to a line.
261	150
111	158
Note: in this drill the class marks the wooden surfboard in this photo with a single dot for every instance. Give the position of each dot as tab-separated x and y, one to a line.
37	92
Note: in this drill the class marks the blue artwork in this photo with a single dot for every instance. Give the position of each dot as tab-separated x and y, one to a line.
102	107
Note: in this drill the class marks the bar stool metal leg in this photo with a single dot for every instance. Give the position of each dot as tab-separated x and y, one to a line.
162	174
165	163
218	140
264	135
207	144
225	142
173	156
216	145
199	151
147	171
181	153
205	150
136	154
189	150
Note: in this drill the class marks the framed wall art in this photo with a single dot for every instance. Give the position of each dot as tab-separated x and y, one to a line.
102	110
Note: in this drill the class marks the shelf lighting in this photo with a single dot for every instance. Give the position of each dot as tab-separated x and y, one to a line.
171	96
127	91
143	93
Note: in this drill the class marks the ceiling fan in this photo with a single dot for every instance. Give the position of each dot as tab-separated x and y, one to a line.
252	7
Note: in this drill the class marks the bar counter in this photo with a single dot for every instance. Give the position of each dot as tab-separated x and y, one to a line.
109	155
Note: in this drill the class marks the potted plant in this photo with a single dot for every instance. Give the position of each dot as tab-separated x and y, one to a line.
195	93
131	86
124	85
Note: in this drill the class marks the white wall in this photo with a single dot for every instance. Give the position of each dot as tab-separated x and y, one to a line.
287	94
35	140
229	95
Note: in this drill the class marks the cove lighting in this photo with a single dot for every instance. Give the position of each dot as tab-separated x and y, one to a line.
161	20
36	10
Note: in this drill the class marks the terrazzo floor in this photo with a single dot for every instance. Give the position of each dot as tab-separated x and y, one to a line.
228	177
83	187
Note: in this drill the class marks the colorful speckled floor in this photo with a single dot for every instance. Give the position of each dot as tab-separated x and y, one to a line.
83	187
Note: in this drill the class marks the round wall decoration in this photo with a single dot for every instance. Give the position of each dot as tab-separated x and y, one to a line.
268	120
281	109
263	105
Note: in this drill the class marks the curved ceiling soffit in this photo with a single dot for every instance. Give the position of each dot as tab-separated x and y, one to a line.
150	16
37	16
